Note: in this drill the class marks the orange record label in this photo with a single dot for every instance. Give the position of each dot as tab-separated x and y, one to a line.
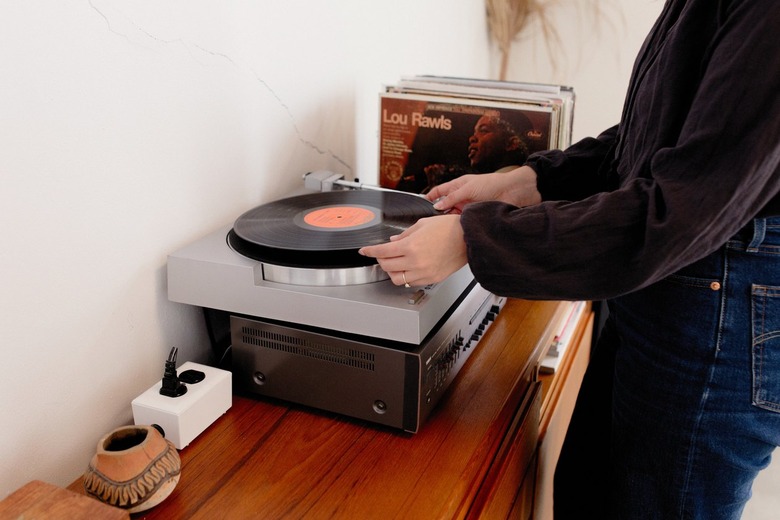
339	217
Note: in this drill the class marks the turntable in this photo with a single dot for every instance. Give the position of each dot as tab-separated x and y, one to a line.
313	322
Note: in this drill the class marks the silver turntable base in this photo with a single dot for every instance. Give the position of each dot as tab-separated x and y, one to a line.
208	273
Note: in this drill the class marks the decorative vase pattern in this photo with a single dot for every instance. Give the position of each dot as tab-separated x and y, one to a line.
135	468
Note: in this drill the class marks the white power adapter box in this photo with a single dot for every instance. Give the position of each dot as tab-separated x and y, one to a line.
185	417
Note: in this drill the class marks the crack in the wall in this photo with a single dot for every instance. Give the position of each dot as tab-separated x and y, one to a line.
246	70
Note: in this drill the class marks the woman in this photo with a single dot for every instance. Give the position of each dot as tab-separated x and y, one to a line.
674	217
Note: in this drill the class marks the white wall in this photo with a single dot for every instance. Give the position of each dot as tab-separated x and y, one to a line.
130	129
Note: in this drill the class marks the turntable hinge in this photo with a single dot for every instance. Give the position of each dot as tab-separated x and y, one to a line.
321	180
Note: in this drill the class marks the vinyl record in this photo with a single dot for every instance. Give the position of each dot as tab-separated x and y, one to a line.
325	229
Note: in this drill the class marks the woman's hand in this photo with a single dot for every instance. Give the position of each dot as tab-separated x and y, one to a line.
425	253
517	187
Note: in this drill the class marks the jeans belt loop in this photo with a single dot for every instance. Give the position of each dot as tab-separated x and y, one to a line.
759	232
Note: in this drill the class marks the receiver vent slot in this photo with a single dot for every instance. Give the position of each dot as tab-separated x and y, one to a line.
302	347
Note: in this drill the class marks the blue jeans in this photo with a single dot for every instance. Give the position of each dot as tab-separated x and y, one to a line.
695	391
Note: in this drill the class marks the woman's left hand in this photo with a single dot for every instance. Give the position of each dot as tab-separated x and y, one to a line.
425	253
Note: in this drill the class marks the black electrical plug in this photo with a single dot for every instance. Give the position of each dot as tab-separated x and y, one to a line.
171	385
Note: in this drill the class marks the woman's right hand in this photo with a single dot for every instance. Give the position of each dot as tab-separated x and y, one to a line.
517	187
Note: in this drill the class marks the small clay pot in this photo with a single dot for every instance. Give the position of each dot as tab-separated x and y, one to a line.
135	468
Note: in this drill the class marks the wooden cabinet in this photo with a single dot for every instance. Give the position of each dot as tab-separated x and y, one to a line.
476	457
560	393
508	490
